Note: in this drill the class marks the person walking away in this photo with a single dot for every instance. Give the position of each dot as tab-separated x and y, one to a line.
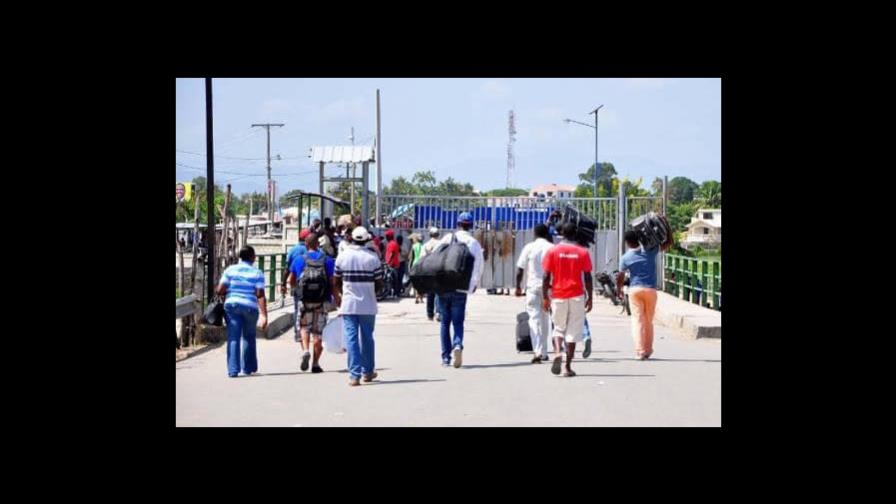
432	303
416	250
641	264
310	276
298	250
564	295
403	258
530	262
244	305
453	305
393	261
357	275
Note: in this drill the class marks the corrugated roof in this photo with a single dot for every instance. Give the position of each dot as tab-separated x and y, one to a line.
342	153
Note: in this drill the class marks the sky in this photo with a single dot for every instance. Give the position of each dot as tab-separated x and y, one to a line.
456	127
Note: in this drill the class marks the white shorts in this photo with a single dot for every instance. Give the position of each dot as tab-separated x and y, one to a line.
568	316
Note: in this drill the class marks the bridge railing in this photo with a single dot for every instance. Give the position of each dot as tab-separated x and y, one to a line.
272	265
695	280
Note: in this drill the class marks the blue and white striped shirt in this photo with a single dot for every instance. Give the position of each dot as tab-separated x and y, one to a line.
359	268
242	279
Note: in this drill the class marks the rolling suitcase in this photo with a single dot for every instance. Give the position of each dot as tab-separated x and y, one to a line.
523	341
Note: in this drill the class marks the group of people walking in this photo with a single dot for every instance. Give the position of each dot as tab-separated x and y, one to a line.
559	294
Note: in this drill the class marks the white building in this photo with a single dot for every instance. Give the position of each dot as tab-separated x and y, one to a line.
705	228
553	191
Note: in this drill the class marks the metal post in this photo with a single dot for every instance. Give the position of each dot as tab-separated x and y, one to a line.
622	218
379	164
365	212
321	179
210	190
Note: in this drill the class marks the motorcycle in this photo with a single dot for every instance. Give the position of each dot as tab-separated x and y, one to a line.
626	307
607	286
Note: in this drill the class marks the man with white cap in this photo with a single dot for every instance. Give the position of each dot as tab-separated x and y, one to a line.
453	305
428	247
357	276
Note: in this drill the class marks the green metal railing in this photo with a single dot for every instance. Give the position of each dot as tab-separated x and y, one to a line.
272	269
695	280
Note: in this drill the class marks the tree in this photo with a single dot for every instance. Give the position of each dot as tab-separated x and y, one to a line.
425	181
400	186
682	189
679	215
657	186
507	192
710	194
604	182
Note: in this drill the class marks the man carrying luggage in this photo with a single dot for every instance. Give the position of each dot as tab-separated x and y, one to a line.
453	305
432	305
310	276
565	265
530	262
642	290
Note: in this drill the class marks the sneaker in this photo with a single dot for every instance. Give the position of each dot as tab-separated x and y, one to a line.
354	382
370	377
316	369
587	351
555	367
232	375
446	364
536	360
458	355
305	359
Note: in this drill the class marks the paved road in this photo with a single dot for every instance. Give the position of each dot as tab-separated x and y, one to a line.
680	386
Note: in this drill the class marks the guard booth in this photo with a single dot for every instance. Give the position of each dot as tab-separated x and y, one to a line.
349	155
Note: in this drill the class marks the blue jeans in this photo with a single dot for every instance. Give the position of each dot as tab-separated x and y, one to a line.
452	307
360	351
241	322
431	300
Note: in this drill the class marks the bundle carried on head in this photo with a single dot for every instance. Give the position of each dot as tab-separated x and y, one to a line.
653	230
586	227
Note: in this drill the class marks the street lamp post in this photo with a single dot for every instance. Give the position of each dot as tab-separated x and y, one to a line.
596	165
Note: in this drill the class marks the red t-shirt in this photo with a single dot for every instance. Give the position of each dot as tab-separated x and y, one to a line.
566	262
393	253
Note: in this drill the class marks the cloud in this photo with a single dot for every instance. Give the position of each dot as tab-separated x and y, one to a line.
339	111
495	89
642	83
275	107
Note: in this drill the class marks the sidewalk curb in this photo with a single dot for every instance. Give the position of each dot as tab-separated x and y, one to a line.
692	321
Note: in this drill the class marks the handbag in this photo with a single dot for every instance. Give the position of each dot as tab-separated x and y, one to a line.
214	313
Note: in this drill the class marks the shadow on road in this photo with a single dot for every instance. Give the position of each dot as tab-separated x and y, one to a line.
378	369
614	375
674	360
512	364
400	381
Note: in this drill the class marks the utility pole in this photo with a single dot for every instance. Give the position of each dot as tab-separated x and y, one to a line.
596	165
267	126
379	164
209	192
352	183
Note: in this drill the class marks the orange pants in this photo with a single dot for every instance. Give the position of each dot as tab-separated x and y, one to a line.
643	304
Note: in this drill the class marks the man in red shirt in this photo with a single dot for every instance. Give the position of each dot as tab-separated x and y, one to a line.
393	260
564	296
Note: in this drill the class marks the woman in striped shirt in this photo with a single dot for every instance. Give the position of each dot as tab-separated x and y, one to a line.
243	284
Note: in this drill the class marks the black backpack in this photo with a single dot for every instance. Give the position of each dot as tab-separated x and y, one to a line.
313	284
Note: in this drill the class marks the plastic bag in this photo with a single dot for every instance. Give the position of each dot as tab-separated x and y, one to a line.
333	336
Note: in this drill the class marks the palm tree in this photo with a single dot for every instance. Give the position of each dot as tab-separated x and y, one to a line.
710	195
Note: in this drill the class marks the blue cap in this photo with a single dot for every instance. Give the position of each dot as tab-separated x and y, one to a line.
465	217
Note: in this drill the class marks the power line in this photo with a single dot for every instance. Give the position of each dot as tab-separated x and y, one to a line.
221	157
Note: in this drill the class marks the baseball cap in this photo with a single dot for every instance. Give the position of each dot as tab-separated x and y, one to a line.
465	217
360	235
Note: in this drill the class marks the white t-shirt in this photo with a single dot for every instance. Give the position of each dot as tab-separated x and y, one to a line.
475	249
358	269
530	260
